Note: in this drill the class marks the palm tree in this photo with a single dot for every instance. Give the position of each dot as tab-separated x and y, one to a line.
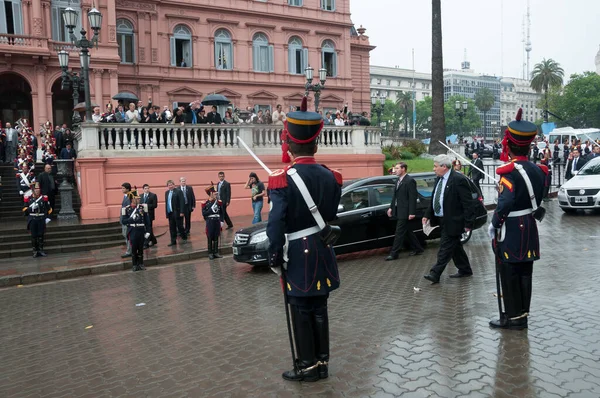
438	122
546	74
484	101
404	101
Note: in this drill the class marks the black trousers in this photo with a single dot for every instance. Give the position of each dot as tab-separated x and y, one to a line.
187	215
451	249
151	238
310	321
516	281
226	216
136	237
176	225
402	231
477	184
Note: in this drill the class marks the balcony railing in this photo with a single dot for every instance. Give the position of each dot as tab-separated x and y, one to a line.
15	40
130	140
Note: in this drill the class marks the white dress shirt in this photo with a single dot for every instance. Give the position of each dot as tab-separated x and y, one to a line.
441	185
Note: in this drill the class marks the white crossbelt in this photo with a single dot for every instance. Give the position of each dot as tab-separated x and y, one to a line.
523	173
519	213
137	225
314	210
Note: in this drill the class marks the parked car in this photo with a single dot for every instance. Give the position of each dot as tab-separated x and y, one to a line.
362	216
488	151
583	190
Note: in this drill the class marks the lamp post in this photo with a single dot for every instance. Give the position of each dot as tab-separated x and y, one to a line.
84	44
316	88
461	111
70	80
378	104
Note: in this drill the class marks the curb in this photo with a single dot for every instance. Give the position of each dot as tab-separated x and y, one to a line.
38	277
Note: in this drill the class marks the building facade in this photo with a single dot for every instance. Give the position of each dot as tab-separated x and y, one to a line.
517	93
253	52
391	82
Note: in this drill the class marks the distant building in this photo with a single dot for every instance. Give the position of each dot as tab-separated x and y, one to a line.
517	93
391	82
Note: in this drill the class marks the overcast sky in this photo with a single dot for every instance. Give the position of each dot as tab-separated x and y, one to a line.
565	30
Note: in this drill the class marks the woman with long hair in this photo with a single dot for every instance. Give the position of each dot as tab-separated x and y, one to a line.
457	166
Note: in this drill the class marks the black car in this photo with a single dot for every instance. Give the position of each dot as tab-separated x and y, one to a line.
362	217
488	151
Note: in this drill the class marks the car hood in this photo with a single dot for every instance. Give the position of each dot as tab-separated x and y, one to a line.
253	229
582	182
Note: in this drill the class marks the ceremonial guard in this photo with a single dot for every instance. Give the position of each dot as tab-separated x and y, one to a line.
513	228
25	181
212	211
304	197
136	218
37	209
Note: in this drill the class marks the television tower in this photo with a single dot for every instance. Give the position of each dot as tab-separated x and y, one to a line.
528	42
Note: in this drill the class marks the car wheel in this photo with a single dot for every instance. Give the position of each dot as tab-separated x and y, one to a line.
569	211
464	238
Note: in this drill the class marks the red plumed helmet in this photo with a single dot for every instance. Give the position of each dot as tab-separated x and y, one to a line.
519	115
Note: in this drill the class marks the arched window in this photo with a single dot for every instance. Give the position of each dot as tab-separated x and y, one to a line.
181	47
329	58
223	50
59	30
297	56
262	54
125	41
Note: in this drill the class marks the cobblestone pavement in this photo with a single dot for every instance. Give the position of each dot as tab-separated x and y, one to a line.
218	329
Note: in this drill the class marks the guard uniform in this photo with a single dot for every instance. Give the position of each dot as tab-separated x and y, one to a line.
212	211
517	243
295	239
137	220
37	209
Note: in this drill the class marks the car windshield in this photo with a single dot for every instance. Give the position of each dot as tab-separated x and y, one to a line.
592	168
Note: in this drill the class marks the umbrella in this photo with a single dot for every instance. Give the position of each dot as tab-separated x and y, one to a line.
80	107
125	97
215	99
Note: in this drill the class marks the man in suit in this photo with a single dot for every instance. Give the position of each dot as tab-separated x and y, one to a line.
475	174
120	115
575	163
189	201
595	152
151	201
12	137
403	208
174	206
47	184
68	152
450	209
126	202
224	193
213	117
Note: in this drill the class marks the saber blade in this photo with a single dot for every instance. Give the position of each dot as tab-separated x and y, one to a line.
260	162
470	164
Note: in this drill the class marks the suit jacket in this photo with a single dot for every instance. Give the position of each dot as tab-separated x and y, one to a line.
121	118
191	198
474	173
213	118
152	202
404	200
177	202
66	154
47	184
225	193
457	205
581	160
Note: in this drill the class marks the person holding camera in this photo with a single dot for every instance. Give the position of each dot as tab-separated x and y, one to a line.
258	194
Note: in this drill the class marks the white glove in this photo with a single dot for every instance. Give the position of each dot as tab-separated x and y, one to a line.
277	270
492	231
21	193
222	224
146	235
47	220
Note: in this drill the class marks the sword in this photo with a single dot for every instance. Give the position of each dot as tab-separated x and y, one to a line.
471	164
591	140
260	162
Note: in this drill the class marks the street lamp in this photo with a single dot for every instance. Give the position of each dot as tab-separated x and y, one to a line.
461	111
70	17
378	104
316	88
70	80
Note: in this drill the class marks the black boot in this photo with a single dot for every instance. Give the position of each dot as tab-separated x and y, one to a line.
140	262
216	248
34	247
517	323
41	246
321	332
306	368
134	266
211	256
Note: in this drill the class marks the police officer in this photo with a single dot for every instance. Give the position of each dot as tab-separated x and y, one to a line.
212	211
310	270
136	218
513	227
37	209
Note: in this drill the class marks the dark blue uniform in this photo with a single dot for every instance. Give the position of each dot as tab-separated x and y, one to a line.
37	210
138	224
212	211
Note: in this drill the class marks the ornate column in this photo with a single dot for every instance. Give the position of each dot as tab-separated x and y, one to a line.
114	82
98	87
42	115
36	14
141	37
111	22
154	37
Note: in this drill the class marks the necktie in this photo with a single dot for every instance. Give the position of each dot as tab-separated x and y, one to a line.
184	196
145	197
437	205
575	164
169	209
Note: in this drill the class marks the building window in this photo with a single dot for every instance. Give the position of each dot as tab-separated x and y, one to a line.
181	47
59	30
328	5
329	58
11	19
297	56
297	3
125	41
262	54
223	50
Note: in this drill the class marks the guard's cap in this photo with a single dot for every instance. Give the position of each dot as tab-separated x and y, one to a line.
301	127
210	189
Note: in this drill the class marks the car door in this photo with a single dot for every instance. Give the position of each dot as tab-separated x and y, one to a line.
354	213
384	226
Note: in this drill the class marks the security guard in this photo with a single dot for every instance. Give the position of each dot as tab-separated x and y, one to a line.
136	218
212	211
513	227
37	209
310	267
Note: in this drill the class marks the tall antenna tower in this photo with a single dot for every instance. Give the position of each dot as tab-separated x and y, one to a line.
523	41
466	65
528	42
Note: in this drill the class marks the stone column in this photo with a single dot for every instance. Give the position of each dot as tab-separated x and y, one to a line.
111	22
42	112
114	83
37	21
98	87
154	37
65	174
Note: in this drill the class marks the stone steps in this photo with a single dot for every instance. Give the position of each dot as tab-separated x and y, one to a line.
62	248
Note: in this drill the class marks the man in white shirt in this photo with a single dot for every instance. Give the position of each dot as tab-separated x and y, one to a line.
11	143
96	116
278	116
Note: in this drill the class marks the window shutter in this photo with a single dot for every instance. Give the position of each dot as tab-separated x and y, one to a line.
334	64
323	58
230	60
271	59
56	25
17	18
255	58
304	60
2	20
291	59
217	55
173	52
187	49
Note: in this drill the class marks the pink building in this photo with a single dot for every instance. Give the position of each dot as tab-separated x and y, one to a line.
254	52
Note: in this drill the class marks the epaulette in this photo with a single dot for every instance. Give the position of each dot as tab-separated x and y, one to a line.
505	168
338	176
278	178
505	183
544	168
45	198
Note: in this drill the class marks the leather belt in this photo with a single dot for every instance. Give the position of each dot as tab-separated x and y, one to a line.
302	233
37	215
137	225
215	216
519	213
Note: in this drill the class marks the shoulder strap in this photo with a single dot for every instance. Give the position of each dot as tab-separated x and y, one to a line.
523	173
306	196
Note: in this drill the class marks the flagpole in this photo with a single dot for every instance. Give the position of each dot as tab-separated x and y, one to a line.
414	97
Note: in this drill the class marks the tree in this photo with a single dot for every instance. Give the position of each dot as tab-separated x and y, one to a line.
471	121
546	74
404	102
391	113
578	103
484	101
438	132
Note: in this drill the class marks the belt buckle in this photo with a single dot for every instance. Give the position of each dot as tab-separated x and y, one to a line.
313	209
